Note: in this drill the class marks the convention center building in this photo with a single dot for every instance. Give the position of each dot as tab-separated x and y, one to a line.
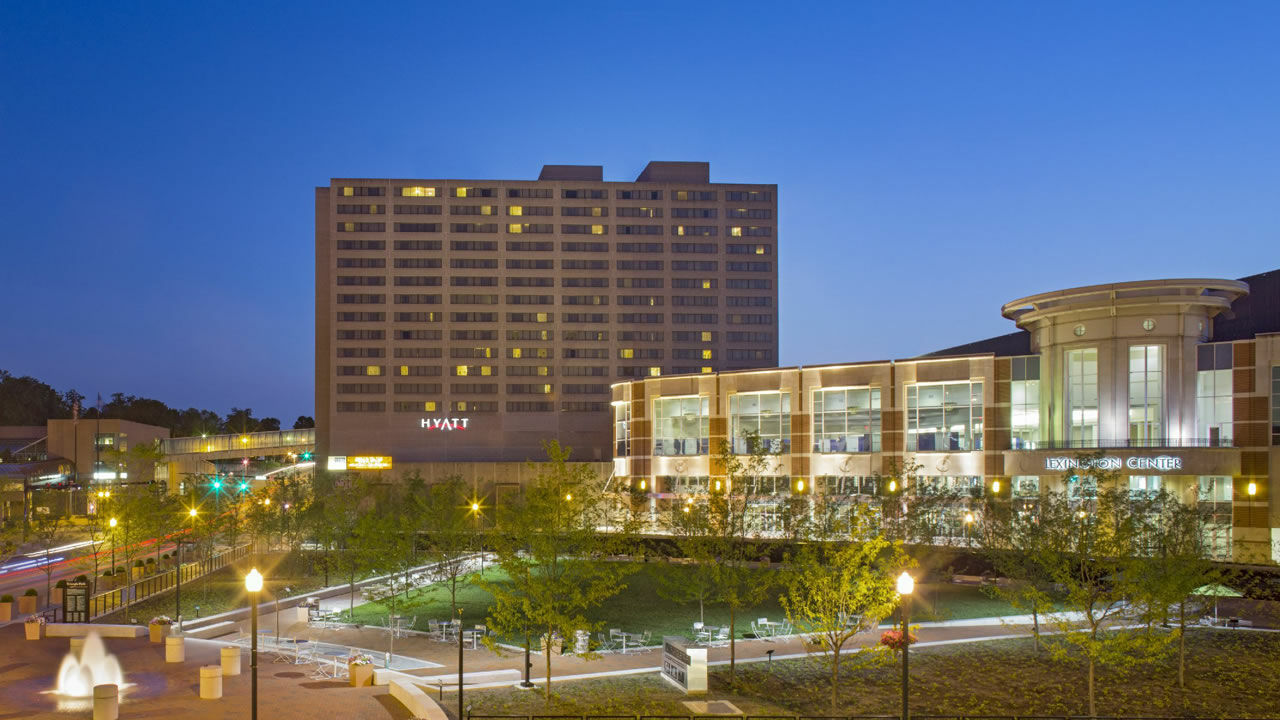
1172	384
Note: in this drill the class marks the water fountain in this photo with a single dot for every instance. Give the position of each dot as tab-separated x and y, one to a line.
95	666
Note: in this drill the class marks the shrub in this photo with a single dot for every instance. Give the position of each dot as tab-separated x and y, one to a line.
119	569
61	584
161	620
107	573
6	598
80	578
36	619
893	639
137	563
31	592
151	561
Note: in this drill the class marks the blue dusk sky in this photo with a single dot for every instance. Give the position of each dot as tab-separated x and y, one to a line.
934	159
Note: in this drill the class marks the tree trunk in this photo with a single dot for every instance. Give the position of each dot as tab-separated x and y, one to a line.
1092	710
733	649
546	693
1182	645
835	676
702	615
1035	627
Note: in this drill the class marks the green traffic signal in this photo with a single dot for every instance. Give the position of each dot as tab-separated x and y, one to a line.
305	455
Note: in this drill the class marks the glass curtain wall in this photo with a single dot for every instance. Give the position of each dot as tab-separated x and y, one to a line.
1146	395
1213	395
622	429
1024	402
846	420
1215	497
682	425
1082	397
767	414
943	417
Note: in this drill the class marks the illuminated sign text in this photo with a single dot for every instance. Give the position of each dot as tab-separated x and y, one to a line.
445	423
1160	462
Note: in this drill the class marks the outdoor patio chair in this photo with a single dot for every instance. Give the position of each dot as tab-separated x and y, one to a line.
705	634
606	644
722	637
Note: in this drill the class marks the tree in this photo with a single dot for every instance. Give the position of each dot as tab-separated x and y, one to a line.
48	531
135	508
1099	571
839	587
269	424
304	422
450	528
1024	552
27	401
692	577
1175	565
550	545
735	534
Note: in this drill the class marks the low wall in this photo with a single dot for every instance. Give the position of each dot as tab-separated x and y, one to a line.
83	629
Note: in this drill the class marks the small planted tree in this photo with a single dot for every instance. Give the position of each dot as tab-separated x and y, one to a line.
452	522
550	544
1101	534
838	587
1024	553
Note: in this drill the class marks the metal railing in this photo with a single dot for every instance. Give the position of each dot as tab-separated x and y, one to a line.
1129	444
271	440
112	601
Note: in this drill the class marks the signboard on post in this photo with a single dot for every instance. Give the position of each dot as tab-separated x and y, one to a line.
684	666
75	602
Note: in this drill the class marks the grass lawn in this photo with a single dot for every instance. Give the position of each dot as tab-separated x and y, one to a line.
223	590
1229	674
640	607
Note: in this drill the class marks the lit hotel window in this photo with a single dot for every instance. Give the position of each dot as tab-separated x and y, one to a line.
460	371
706	370
515	228
655	371
417	191
706	354
597	229
515	210
706	336
429	406
626	353
735	231
373	370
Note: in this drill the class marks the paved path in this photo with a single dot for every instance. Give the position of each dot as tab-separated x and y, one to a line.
166	690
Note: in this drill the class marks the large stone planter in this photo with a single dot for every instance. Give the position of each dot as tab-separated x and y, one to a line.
27	604
59	596
35	631
137	573
361	675
158	633
210	682
6	611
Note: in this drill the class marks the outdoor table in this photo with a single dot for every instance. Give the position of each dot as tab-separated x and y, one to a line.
635	638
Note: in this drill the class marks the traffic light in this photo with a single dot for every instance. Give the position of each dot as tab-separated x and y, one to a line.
217	484
244	486
305	456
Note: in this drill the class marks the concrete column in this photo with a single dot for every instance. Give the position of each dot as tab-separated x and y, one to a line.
230	661
106	702
210	682
174	649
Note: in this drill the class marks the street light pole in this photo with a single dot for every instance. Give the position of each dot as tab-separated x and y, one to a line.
253	583
459	663
906	584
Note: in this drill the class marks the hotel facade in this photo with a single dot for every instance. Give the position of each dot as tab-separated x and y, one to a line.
1175	382
467	321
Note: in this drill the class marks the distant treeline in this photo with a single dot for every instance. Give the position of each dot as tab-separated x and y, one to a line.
27	401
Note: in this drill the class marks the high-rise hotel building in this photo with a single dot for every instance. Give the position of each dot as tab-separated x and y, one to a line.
470	320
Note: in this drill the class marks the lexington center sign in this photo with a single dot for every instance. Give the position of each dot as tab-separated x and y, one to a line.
1161	463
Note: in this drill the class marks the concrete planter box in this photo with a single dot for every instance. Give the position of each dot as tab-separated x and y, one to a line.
158	633
35	631
361	675
6	611
59	596
27	604
137	573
